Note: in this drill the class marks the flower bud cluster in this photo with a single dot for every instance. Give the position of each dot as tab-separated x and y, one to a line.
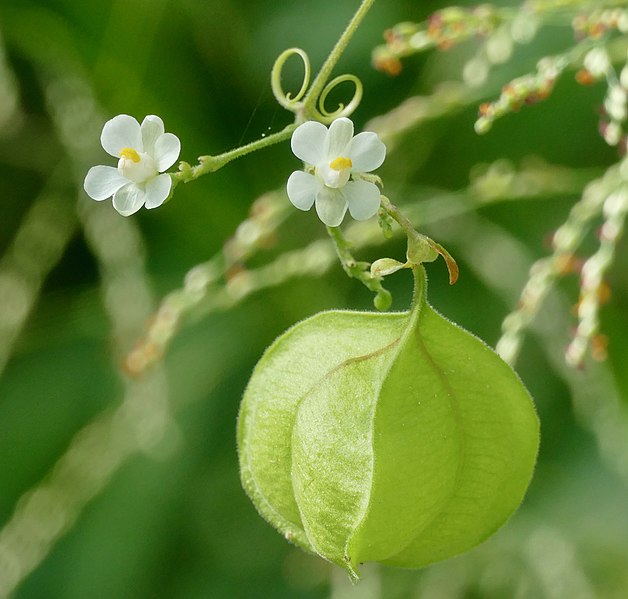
443	29
597	23
593	289
404	39
563	261
500	29
450	26
614	116
529	89
615	110
597	66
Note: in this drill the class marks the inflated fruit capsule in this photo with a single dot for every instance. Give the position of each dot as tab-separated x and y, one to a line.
394	438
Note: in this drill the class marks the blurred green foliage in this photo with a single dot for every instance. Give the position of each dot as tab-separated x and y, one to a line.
173	521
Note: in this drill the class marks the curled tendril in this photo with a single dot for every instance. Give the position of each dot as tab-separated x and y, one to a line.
343	110
285	98
305	100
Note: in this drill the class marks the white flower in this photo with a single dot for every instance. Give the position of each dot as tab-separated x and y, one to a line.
143	153
336	158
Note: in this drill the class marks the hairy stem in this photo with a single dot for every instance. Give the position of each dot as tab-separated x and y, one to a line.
420	247
209	164
359	270
399	217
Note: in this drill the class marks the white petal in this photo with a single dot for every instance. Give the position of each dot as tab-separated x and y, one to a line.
152	127
129	199
167	150
331	206
340	134
309	141
363	199
302	189
122	131
367	152
157	190
102	182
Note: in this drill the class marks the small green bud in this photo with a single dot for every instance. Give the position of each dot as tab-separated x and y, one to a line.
382	300
385	223
483	125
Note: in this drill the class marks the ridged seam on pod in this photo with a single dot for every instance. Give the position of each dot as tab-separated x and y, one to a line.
398	438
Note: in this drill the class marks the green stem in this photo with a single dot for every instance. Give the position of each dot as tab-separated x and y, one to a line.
420	247
309	104
209	164
400	218
420	285
349	264
359	270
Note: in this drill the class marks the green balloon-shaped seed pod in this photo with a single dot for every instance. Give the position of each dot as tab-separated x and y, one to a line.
395	438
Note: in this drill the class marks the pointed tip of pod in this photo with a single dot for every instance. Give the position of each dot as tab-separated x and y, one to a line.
352	569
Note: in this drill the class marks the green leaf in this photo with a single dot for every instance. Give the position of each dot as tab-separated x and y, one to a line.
395	438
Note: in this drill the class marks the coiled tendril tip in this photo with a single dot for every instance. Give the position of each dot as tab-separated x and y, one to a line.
312	107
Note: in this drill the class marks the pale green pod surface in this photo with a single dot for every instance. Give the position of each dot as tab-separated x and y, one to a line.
397	438
296	362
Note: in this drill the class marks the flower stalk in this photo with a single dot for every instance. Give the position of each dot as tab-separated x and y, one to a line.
359	270
310	108
210	164
420	247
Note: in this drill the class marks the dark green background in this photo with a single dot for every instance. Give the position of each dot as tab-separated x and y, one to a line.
179	525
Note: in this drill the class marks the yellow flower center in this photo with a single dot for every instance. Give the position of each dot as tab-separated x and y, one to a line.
136	166
130	153
340	163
